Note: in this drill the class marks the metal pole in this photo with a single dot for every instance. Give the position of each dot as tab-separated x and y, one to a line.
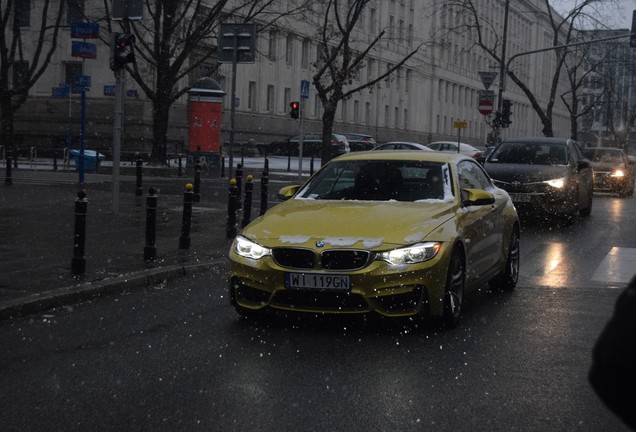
300	141
233	97
81	136
117	133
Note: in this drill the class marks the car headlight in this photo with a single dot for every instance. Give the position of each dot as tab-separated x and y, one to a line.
617	173
556	183
410	255
248	249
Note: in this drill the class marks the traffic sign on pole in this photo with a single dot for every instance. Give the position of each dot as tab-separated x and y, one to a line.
485	107
487	78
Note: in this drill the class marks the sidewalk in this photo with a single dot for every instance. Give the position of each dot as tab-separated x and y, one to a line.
37	233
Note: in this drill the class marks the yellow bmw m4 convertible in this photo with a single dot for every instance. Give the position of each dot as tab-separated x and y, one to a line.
397	233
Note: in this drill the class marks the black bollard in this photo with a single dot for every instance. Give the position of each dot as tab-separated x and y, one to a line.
222	167
150	250
247	205
139	191
186	223
8	180
266	165
239	184
197	182
264	182
231	209
78	263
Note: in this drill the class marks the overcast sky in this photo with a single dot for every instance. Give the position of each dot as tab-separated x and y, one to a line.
616	17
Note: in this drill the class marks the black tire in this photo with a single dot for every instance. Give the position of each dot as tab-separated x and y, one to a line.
509	276
454	289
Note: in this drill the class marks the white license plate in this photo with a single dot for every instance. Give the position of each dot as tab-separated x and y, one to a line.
317	281
521	198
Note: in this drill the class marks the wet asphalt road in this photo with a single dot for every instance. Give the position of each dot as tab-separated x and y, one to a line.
176	357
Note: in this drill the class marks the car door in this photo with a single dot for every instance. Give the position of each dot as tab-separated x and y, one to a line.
583	172
484	225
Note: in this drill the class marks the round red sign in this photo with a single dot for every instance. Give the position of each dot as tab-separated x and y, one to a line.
485	107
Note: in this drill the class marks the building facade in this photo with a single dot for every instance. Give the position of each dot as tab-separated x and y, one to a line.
421	101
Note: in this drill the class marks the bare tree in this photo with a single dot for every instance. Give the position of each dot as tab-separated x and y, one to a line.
563	32
21	66
177	38
340	58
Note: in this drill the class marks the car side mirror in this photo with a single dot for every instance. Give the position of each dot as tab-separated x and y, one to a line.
478	197
287	192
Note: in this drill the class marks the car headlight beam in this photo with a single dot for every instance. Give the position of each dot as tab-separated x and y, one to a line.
248	249
556	183
411	255
617	173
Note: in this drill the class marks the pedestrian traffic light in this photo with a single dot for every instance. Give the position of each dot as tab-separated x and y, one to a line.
294	112
121	50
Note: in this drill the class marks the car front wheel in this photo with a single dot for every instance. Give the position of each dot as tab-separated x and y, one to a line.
454	292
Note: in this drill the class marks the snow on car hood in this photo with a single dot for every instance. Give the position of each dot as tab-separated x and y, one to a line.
362	224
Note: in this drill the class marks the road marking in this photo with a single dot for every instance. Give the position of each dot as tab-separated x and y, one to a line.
619	265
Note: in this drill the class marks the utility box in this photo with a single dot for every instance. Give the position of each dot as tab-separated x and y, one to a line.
205	108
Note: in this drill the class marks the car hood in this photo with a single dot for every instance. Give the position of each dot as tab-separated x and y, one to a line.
361	224
604	166
525	173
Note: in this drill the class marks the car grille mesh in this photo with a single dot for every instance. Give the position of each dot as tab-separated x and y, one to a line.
299	258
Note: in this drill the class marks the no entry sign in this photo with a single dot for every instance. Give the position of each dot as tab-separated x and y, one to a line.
485	107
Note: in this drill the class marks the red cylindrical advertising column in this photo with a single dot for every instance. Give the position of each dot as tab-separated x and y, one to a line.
205	107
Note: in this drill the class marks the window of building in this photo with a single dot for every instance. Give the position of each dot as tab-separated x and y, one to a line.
74	11
356	112
286	97
367	114
343	112
386	116
304	60
20	74
289	49
22	17
396	117
405	119
251	96
370	65
271	106
271	50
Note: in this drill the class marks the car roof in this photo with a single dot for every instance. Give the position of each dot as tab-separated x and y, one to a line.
433	156
538	140
461	144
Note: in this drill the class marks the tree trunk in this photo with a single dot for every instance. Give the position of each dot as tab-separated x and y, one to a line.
160	116
328	117
6	125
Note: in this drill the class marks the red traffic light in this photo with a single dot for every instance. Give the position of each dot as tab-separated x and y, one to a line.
295	109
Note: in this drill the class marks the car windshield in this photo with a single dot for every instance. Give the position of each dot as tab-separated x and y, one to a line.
530	153
375	180
603	155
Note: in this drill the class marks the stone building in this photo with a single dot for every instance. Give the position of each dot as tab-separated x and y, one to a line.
420	102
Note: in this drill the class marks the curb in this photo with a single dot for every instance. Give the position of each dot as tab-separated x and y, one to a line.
91	290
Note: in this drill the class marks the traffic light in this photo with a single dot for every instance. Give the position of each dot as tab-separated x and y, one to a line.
505	113
294	112
121	50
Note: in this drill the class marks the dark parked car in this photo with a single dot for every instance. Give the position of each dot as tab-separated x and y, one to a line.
311	145
613	170
360	142
543	175
402	145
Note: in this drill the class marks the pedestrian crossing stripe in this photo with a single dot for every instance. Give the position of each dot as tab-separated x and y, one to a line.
619	265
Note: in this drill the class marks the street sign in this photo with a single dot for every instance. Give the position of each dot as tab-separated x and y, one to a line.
109	90
460	124
82	30
485	107
60	92
304	89
83	81
487	78
83	50
240	38
486	95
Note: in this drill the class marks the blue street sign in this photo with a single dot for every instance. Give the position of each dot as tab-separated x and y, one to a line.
59	92
304	89
83	49
83	81
109	90
132	93
82	30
